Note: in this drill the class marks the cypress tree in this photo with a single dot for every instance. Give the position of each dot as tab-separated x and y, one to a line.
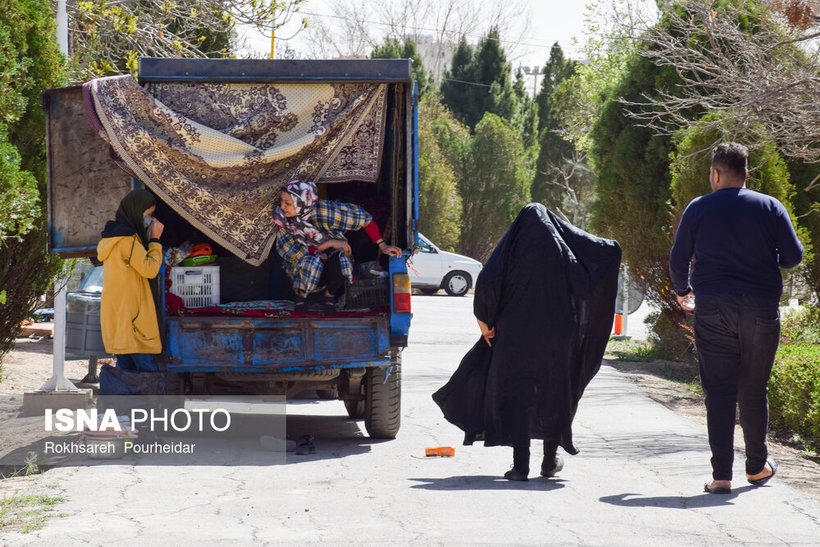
479	82
393	49
554	150
456	84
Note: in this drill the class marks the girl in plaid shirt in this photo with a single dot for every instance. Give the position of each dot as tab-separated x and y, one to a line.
312	244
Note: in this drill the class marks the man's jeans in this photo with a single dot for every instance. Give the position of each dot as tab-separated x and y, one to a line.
736	339
137	362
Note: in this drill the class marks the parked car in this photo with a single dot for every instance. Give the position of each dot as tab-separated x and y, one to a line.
432	269
43	315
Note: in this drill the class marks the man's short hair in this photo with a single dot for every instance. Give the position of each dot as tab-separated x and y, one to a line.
730	159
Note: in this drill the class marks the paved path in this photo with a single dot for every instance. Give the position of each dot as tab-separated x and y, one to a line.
637	481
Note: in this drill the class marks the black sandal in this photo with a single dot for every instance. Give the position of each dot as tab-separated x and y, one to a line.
763	480
708	488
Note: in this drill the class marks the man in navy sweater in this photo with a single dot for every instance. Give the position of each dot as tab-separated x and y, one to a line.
739	240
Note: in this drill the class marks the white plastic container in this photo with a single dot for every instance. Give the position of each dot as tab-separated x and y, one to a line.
198	286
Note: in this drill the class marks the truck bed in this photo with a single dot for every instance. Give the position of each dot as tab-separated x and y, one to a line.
265	345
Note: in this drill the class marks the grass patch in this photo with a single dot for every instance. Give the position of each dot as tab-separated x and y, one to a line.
629	350
31	468
643	357
26	513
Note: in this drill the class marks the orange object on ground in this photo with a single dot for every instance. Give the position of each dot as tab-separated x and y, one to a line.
447	451
619	323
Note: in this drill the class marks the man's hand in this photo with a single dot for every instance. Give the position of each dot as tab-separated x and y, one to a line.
687	302
487	332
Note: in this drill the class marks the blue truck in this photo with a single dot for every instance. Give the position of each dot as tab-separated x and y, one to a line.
355	357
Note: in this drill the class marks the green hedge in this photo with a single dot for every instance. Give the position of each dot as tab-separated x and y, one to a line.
794	387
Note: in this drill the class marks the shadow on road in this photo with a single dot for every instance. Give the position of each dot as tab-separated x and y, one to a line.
486	482
41	346
333	437
640	445
675	502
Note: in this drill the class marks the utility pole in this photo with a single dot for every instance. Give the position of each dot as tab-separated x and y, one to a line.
58	381
58	391
534	72
62	27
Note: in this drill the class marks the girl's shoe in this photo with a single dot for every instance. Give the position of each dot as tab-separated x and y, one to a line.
301	307
329	305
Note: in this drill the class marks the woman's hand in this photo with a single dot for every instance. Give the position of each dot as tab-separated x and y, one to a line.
155	229
389	249
487	332
340	244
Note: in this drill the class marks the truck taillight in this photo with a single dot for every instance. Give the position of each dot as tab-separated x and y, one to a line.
401	293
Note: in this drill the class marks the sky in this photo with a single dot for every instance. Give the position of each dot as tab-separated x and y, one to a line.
550	21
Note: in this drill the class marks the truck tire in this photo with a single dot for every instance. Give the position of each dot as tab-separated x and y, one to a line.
382	417
355	409
328	394
457	283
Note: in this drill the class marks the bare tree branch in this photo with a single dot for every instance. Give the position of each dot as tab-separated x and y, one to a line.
355	28
762	74
108	37
576	180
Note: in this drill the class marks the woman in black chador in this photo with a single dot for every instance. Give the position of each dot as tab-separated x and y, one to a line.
544	302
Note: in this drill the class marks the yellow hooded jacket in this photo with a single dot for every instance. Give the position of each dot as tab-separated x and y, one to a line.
127	314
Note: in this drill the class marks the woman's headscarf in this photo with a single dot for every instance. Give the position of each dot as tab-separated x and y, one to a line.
305	195
131	209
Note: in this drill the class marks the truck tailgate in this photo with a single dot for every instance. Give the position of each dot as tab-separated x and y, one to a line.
220	344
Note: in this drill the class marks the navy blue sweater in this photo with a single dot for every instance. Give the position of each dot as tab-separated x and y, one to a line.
739	239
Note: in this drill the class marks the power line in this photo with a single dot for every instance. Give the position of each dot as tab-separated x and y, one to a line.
464	82
481	36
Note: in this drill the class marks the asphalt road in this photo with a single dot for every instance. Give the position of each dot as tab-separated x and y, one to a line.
637	481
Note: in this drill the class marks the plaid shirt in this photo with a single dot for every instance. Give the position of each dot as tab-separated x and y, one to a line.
333	217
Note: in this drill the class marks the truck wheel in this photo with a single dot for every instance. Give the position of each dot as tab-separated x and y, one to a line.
328	394
382	416
355	409
457	283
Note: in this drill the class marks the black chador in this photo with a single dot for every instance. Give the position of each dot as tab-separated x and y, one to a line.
549	290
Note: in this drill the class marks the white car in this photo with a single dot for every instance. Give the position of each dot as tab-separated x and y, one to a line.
432	269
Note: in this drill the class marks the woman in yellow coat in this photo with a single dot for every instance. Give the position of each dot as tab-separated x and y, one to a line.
131	255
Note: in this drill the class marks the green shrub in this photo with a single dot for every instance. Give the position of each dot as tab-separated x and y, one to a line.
30	62
794	391
673	337
801	325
